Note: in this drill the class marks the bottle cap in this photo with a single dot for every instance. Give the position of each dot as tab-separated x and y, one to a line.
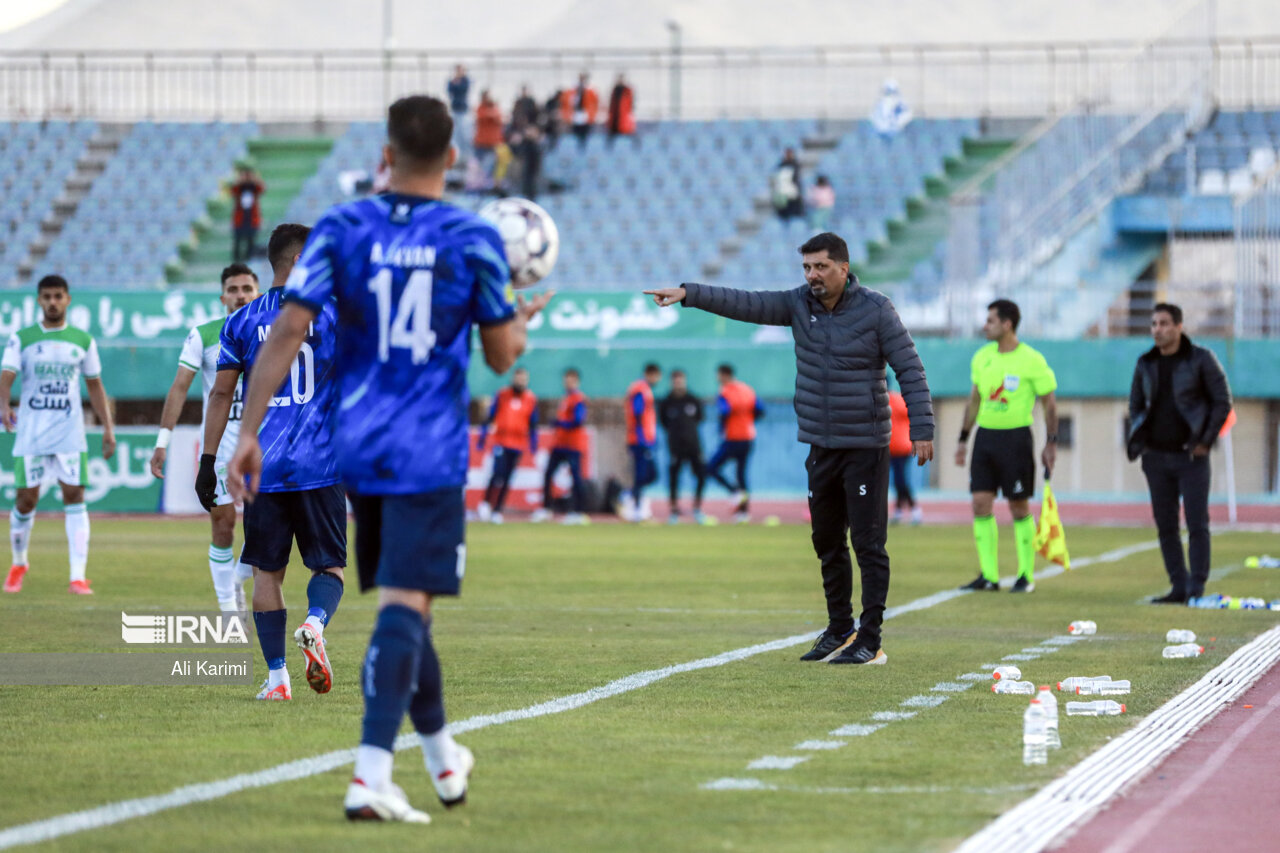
1044	687
1122	708
1077	690
1035	701
996	676
1201	648
993	688
1059	685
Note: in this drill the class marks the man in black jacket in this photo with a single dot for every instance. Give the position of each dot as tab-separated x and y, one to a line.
1177	406
844	334
680	414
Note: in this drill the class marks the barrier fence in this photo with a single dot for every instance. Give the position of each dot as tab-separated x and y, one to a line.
994	80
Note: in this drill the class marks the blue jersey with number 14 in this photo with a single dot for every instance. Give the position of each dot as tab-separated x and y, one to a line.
409	276
297	430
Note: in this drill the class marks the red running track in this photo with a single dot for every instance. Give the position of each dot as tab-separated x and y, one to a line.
1216	792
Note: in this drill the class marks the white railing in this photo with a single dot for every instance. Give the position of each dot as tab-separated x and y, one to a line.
1018	213
1257	250
998	80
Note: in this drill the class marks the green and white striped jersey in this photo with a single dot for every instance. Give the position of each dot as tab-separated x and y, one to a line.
200	353
51	362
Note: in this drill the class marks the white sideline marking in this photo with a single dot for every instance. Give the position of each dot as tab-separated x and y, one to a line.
815	745
1020	657
777	762
890	716
732	784
974	676
924	700
1042	650
989	666
122	810
1063	640
1045	818
951	686
857	730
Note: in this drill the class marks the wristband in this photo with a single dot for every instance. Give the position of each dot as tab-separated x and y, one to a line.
162	438
1051	438
964	436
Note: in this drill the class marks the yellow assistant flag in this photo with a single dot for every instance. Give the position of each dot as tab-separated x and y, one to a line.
1051	541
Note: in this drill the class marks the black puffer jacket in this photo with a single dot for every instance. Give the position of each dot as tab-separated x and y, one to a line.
1200	393
841	398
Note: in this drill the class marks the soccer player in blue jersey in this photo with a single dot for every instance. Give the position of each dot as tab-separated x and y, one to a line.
410	275
301	494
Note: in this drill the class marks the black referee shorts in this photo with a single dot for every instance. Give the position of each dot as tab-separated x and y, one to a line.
1004	461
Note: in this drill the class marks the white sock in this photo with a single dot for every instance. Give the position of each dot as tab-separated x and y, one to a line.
244	572
373	766
439	751
223	570
20	534
314	622
78	539
276	677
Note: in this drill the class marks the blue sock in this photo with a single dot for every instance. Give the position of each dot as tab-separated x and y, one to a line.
323	594
426	709
390	668
270	625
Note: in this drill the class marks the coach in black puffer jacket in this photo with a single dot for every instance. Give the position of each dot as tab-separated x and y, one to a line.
845	335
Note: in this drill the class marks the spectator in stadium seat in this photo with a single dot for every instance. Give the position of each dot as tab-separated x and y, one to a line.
622	117
890	114
459	87
524	113
578	108
526	146
1178	404
551	119
821	200
488	129
787	200
246	214
845	335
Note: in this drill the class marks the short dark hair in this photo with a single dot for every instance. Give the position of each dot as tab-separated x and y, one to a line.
286	240
833	244
572	371
1174	312
420	127
53	281
725	368
652	367
1007	309
235	270
677	372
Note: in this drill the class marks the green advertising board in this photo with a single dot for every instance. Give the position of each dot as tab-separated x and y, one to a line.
120	484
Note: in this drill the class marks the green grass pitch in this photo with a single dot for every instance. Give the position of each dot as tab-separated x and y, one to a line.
550	611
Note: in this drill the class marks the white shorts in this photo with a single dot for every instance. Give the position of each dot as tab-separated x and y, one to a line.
30	472
221	494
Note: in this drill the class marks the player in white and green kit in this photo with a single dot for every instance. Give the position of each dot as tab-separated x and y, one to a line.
1008	377
200	355
51	357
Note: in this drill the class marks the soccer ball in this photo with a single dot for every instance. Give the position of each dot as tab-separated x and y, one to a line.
530	236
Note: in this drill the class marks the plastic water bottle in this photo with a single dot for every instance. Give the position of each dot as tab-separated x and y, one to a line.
1266	561
1007	673
1069	685
1017	688
1275	605
1096	708
1253	603
1186	650
1082	627
1102	688
1035	746
1050	703
1210	602
1180	636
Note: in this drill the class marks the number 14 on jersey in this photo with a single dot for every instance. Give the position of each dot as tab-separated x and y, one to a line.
410	325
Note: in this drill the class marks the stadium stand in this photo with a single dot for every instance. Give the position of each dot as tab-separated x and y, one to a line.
36	158
143	206
1227	157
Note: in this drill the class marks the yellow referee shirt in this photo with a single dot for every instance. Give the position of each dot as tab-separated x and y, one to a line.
1008	384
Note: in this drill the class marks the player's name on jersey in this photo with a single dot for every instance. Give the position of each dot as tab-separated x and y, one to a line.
413	257
265	331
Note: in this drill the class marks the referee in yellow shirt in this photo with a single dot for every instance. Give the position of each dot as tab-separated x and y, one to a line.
1008	377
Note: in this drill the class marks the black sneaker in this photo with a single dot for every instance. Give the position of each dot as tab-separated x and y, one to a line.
827	645
1170	598
1022	585
857	653
981	583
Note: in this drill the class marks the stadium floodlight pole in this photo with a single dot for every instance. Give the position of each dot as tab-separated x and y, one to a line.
674	27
